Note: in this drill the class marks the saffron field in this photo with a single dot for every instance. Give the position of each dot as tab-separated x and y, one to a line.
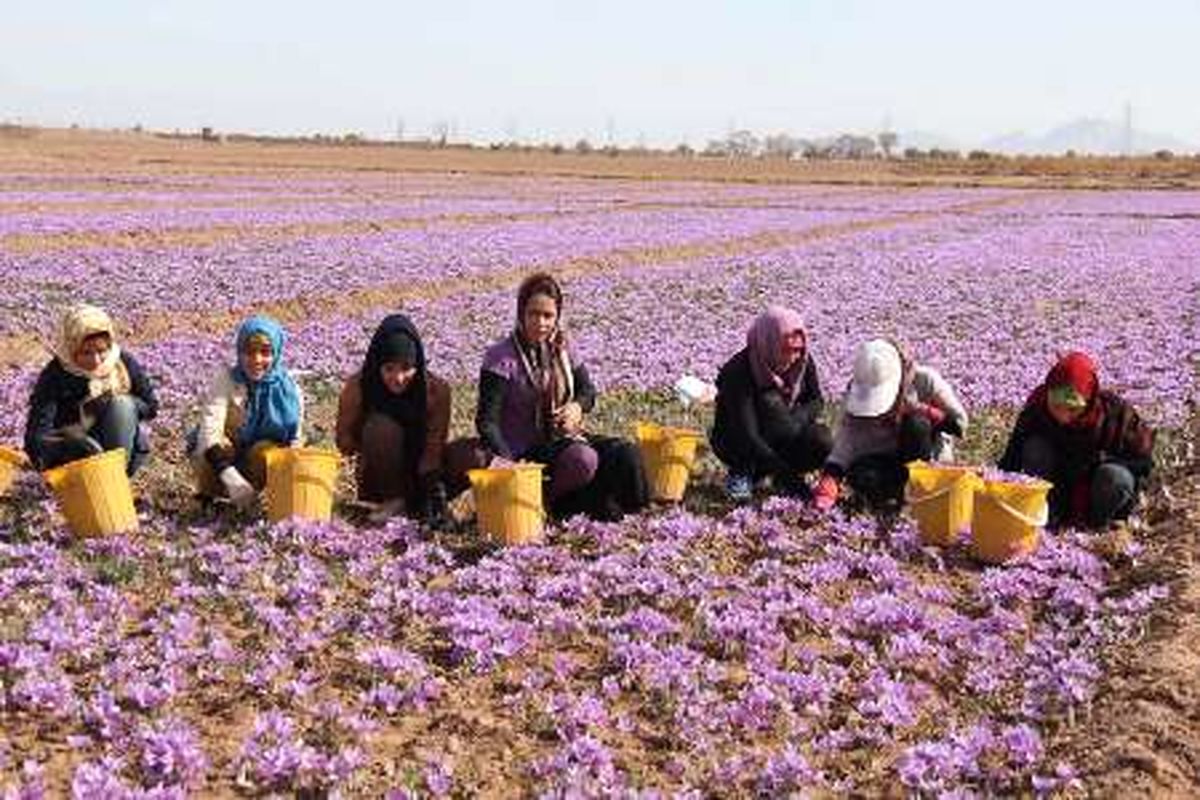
690	652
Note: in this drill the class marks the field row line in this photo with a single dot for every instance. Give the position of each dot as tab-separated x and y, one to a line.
31	243
28	348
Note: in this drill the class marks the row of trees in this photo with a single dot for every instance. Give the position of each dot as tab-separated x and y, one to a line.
738	144
745	144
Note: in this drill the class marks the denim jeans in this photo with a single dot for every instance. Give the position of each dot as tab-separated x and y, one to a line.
117	426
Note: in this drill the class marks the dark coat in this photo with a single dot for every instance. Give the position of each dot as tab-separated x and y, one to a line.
752	422
57	395
1118	435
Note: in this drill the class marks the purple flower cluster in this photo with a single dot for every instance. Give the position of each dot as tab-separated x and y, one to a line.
757	650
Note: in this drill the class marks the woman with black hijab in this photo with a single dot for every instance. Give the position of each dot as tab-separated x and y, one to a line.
395	416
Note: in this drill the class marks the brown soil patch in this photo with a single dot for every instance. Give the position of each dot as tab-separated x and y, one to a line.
160	325
52	150
21	348
1143	736
139	238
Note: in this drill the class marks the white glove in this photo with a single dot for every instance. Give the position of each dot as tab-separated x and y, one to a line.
240	491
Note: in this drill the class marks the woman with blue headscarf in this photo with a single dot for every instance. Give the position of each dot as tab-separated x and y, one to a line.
250	408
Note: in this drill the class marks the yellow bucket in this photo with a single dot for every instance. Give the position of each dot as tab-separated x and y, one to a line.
1008	519
11	463
300	482
941	499
668	454
508	502
94	494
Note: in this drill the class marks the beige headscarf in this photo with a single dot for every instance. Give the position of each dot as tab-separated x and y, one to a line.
78	323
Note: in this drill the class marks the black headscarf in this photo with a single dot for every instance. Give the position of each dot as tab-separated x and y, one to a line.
396	339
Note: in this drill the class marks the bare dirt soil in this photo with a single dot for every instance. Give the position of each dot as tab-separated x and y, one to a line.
1142	738
80	152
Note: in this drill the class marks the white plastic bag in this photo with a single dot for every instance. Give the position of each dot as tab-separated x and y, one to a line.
692	390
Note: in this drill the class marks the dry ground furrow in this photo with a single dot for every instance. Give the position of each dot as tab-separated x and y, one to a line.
1143	737
23	349
137	238
108	154
365	200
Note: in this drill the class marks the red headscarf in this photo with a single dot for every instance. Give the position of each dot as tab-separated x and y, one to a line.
1078	371
764	342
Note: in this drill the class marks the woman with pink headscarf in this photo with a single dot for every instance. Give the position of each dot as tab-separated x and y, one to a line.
768	407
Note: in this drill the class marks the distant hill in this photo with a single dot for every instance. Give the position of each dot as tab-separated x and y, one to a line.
1092	136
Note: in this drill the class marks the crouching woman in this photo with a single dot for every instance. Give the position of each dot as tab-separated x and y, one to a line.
769	404
1089	442
534	393
250	408
90	398
394	415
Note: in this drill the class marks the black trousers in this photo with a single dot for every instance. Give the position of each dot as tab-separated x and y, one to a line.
801	452
880	478
618	488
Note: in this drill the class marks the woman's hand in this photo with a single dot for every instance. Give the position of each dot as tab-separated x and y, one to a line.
569	418
500	462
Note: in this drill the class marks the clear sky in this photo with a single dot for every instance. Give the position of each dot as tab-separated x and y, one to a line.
659	70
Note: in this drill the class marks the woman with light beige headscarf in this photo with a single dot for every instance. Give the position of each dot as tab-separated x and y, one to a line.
90	398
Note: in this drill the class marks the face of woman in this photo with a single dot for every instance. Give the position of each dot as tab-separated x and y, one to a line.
93	351
1063	414
396	376
792	347
256	359
539	319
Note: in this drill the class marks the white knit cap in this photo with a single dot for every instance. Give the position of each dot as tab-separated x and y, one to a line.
876	381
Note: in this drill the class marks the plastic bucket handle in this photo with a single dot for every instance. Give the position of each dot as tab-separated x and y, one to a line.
1036	521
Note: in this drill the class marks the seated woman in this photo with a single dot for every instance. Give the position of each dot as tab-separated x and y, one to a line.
896	411
395	415
768	407
90	398
1088	442
533	394
250	408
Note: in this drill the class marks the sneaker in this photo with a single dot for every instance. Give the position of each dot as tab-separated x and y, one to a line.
739	487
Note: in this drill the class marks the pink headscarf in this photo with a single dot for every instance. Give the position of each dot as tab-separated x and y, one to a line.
764	343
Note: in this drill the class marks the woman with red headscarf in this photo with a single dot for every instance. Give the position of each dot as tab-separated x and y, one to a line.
1088	442
768	407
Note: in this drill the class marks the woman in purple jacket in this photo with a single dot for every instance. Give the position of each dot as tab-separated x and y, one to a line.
534	393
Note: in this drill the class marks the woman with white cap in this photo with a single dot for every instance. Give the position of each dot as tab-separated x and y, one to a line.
896	411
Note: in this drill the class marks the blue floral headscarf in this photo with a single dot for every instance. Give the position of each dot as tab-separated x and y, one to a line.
273	402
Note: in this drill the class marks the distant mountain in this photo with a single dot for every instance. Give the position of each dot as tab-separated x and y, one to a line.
1091	136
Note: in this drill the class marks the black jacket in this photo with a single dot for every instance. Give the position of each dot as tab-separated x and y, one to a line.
58	394
488	413
751	421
